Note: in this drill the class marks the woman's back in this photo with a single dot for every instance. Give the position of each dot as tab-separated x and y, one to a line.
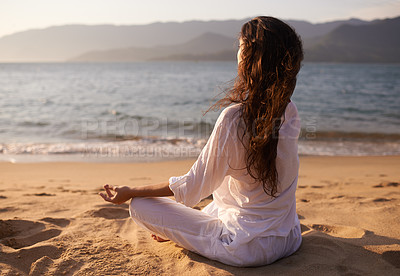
239	200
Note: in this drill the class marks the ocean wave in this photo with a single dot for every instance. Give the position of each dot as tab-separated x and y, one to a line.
33	124
348	148
159	148
149	149
313	135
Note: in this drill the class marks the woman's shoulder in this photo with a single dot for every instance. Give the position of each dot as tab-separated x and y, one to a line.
291	108
232	111
291	122
229	119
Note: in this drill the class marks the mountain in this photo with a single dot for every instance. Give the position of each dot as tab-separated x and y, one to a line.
208	46
60	43
375	42
309	31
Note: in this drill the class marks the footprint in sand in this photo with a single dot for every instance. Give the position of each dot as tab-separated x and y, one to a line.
57	221
109	213
387	184
22	233
381	199
304	200
43	194
59	180
7	209
378	186
339	231
140	178
39	194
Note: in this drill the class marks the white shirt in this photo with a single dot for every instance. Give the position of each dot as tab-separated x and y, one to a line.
238	201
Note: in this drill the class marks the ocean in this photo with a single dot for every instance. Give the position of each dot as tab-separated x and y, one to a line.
151	111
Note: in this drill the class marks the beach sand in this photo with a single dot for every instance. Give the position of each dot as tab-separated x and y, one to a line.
54	223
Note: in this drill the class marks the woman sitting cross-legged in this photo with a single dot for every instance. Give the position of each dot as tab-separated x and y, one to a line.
249	164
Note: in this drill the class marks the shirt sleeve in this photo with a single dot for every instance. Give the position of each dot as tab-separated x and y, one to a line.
209	170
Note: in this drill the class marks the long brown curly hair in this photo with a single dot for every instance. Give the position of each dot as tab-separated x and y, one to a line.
271	55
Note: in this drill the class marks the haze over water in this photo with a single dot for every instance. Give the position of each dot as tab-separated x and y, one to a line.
154	110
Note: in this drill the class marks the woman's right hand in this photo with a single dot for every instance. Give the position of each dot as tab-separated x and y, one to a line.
120	195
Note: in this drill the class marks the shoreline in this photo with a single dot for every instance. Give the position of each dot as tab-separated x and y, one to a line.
71	158
78	158
53	222
174	149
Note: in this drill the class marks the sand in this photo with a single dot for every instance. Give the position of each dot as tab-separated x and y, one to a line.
52	221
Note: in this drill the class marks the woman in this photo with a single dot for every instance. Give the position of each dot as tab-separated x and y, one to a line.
249	164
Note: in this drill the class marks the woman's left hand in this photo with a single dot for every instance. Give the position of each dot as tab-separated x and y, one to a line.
121	194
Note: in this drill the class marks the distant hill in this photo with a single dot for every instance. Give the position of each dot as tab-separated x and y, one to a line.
224	55
60	43
208	46
375	42
309	31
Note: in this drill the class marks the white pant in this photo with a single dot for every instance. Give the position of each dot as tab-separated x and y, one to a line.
201	233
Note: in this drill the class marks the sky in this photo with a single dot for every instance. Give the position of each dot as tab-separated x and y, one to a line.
20	15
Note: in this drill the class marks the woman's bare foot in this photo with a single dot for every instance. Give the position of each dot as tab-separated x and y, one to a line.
157	238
